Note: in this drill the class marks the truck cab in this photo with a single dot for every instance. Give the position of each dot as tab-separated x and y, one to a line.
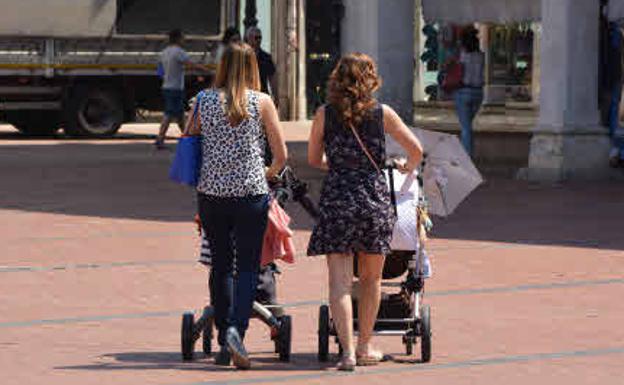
88	66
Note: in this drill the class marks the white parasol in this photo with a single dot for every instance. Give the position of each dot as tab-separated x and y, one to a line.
449	175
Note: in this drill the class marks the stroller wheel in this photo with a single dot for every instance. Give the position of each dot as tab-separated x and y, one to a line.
276	339
323	333
207	337
425	333
285	338
188	342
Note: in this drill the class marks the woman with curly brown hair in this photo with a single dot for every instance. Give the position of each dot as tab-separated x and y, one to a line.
356	216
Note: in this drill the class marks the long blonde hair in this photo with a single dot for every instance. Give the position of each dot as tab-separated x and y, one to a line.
237	72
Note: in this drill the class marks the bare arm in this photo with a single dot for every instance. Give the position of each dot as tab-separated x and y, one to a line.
196	66
316	150
275	135
393	125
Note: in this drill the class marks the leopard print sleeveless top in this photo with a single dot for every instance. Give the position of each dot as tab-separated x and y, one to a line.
232	156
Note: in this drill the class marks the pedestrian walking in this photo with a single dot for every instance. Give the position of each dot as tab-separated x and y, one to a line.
234	119
266	66
173	60
356	215
469	95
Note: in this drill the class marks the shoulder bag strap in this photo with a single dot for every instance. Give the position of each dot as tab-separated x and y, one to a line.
370	157
363	147
194	121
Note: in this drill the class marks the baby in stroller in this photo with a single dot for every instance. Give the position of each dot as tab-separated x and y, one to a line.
287	187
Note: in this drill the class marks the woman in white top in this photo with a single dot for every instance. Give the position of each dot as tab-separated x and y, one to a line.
469	97
234	121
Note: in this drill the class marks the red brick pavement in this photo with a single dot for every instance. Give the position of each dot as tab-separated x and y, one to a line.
97	263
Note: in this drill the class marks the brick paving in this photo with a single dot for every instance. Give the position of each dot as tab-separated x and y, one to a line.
97	264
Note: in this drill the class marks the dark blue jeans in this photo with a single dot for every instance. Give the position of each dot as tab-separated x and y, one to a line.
234	223
614	122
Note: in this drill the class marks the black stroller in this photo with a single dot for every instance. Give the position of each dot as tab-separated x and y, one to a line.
265	308
401	313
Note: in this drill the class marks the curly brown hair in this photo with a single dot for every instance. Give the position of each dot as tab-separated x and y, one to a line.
351	86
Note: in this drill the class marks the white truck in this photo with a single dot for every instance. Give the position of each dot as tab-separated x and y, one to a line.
87	65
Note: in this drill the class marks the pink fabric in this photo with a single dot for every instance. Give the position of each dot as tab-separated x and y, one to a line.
278	243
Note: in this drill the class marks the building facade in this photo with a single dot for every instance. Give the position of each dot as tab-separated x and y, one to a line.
542	53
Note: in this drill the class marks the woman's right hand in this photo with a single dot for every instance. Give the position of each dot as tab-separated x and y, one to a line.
272	173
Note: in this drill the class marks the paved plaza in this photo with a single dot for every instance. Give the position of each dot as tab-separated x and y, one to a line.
97	264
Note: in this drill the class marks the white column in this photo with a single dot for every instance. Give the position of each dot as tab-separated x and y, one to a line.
384	30
568	141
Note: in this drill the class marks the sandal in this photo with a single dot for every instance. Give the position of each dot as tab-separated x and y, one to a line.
346	364
372	358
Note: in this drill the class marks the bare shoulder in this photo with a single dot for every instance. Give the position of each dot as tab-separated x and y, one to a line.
264	100
389	113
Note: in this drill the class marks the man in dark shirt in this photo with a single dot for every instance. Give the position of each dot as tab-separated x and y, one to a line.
266	66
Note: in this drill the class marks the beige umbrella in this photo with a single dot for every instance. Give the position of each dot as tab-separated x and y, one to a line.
449	175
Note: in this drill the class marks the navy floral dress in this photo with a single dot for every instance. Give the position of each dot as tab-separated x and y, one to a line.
356	213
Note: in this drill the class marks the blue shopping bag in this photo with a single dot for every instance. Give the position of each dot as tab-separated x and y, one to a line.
160	70
187	160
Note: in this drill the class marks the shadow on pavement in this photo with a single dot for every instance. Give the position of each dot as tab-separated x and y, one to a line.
130	180
108	179
17	137
570	214
173	360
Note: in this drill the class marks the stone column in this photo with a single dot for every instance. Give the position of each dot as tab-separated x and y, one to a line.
484	44
384	30
280	55
287	52
292	63
419	48
302	103
568	141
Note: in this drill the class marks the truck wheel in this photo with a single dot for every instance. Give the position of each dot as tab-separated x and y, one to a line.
94	112
35	123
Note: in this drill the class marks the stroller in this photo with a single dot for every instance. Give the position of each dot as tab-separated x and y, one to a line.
401	313
265	307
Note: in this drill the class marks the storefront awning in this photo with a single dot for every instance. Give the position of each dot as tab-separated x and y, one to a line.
472	11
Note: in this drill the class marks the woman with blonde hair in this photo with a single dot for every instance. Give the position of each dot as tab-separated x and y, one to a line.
356	216
234	120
